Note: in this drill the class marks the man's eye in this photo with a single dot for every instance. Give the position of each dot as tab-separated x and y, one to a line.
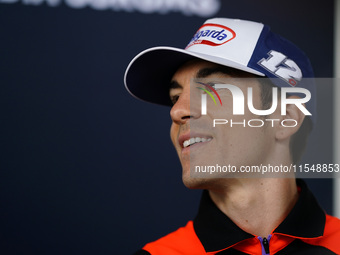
174	99
210	86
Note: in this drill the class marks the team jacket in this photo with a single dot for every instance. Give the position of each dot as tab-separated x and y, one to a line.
307	230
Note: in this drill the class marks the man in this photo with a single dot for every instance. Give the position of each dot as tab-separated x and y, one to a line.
219	145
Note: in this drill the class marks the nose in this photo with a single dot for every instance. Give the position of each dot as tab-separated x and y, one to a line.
187	107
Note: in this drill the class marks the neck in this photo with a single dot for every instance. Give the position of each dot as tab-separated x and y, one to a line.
256	205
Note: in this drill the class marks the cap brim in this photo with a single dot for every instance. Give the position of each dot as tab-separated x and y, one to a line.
148	75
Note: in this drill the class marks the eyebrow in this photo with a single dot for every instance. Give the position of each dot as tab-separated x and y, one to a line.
175	85
205	72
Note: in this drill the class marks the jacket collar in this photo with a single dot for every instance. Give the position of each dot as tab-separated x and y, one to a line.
216	231
307	219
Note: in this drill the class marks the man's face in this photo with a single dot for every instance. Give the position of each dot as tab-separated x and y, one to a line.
223	145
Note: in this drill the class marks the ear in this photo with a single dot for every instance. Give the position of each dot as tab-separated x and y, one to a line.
291	122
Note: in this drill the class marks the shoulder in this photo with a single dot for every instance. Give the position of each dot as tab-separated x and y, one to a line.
332	230
331	235
181	241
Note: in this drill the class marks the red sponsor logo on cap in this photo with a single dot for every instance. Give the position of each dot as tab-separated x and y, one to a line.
213	35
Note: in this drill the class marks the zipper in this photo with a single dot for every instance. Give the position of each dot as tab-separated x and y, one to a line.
265	244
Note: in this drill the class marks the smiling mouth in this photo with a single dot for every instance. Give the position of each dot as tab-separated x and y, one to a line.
194	140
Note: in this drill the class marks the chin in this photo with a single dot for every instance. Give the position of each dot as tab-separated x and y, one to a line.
194	183
205	183
197	183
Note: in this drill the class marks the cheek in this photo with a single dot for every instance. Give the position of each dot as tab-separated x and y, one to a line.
174	133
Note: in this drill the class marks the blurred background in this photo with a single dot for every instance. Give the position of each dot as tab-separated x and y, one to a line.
87	169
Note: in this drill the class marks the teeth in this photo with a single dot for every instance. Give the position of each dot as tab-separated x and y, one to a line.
194	140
